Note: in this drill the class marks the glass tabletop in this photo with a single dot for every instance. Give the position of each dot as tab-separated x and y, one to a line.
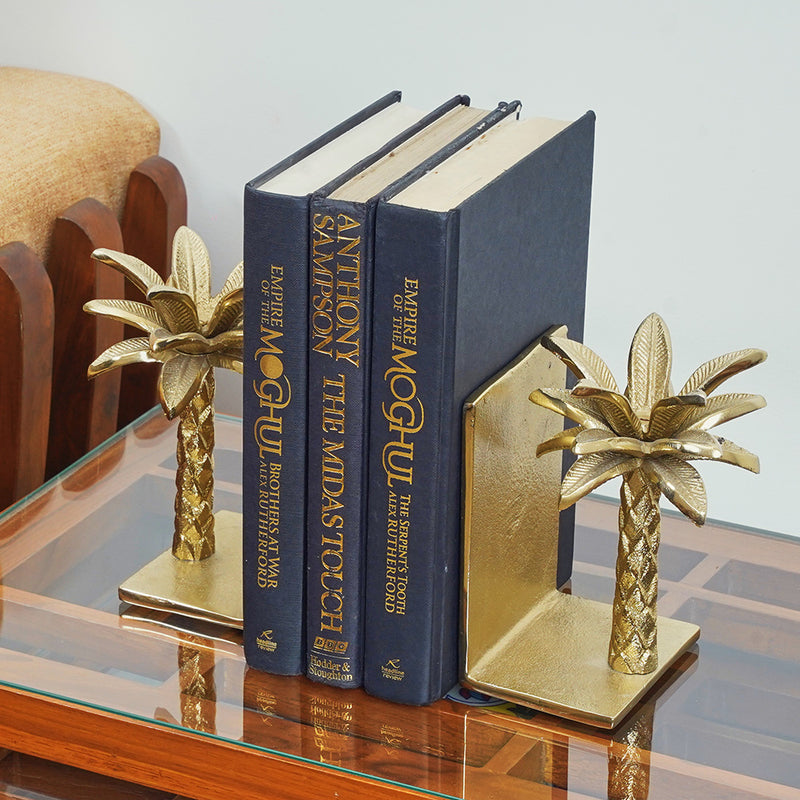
723	722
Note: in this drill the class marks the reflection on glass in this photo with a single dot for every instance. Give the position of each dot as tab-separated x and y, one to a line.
727	715
198	691
331	718
629	757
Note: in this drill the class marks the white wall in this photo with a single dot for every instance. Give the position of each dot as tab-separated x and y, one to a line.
695	207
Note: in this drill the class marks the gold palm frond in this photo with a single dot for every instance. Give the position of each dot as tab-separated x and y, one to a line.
647	427
189	331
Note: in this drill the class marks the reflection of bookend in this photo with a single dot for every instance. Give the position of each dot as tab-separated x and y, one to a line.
173	628
209	589
523	640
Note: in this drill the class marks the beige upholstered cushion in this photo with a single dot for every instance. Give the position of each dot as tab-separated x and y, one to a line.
62	139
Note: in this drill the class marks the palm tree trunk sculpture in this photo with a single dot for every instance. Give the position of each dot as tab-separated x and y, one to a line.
189	333
646	435
194	478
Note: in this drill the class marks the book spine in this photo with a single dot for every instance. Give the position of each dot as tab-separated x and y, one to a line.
274	424
412	558
340	291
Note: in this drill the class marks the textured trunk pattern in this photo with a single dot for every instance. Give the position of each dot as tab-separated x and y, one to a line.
633	646
194	500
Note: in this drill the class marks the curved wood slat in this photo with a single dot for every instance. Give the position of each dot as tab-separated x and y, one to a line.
155	207
83	413
26	344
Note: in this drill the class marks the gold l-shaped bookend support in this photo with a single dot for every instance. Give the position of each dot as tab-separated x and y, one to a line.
209	589
522	639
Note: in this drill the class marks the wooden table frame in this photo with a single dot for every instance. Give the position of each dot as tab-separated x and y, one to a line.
732	582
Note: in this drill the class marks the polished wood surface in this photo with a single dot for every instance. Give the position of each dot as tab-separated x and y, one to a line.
23	777
104	687
26	345
155	207
83	413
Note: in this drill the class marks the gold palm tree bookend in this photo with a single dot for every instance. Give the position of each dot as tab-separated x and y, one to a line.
647	436
523	640
189	332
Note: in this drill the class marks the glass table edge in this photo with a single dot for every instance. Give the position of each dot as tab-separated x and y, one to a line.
153	414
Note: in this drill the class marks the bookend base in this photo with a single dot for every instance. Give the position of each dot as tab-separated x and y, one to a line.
523	640
209	590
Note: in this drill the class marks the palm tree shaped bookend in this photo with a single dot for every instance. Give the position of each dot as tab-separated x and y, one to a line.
551	650
647	435
189	333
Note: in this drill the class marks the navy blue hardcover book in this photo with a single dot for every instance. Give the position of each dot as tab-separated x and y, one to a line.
472	263
342	227
276	258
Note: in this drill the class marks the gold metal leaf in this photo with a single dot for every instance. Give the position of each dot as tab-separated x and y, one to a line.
563	402
235	281
694	444
667	416
591	471
141	275
596	441
722	408
130	312
681	484
189	343
563	440
738	456
612	407
179	381
730	453
176	307
227	361
195	344
712	373
649	364
128	351
587	437
690	444
191	265
226	312
583	362
227	340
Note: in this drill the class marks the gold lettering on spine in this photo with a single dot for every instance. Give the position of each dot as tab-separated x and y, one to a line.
274	393
322	282
336	287
405	413
396	554
331	557
269	521
405	417
335	328
333	404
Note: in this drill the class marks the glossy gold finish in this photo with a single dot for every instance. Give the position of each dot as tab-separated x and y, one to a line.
632	647
81	685
646	435
523	640
629	758
190	333
194	537
197	685
210	589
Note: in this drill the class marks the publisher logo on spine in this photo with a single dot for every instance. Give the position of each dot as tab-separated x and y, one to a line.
392	671
264	642
330	645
